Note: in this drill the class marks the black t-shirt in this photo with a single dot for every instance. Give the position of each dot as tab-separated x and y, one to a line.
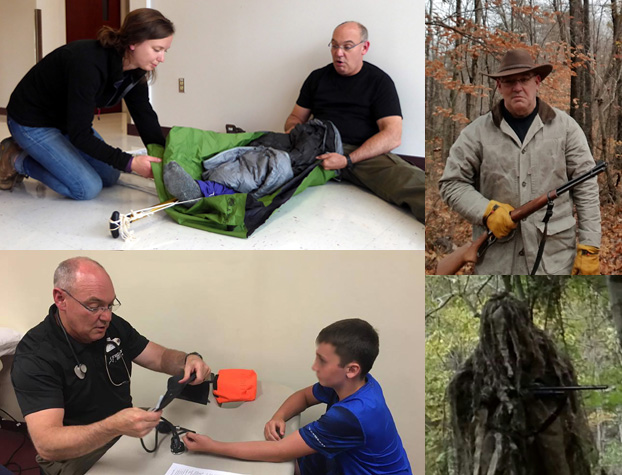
520	125
352	103
43	371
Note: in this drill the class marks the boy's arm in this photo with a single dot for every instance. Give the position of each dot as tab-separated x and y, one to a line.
293	405
289	448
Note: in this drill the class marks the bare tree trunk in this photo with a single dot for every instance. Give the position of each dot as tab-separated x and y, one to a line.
518	287
574	80
429	90
581	83
611	191
614	284
453	95
586	71
507	283
578	82
617	60
532	30
475	67
599	439
560	21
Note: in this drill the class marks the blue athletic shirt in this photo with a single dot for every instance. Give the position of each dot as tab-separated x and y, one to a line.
356	436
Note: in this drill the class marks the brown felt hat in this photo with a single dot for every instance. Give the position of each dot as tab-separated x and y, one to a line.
517	61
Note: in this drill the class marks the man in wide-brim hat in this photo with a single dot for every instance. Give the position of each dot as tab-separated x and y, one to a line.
518	151
518	67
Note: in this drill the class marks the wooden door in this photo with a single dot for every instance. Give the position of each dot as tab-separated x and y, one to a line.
84	18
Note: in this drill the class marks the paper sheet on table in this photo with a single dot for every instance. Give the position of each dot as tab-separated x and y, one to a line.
178	469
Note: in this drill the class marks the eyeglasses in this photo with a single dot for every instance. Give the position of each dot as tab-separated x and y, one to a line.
347	47
513	82
97	310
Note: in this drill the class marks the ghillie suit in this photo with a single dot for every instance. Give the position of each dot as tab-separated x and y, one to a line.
500	426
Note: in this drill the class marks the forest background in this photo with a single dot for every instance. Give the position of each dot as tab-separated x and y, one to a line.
583	316
583	41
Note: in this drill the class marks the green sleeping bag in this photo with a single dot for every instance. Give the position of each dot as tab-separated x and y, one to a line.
235	215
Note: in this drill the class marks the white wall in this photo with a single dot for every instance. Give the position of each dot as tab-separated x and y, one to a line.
256	309
17	54
244	62
17	37
52	24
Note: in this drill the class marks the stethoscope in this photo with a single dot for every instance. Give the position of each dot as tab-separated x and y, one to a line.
111	345
79	368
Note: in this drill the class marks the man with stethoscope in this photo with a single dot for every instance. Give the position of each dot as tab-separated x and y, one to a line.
72	372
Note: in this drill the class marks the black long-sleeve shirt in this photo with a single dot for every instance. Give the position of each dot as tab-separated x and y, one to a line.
66	86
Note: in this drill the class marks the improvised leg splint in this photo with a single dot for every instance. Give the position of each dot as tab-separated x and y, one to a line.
240	214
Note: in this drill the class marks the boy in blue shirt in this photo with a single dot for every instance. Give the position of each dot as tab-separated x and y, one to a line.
356	435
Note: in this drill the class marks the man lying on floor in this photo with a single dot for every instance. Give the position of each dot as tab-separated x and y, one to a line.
260	168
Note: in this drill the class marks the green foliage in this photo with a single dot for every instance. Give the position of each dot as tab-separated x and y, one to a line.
610	458
445	348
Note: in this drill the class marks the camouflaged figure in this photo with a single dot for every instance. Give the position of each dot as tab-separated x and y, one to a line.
501	424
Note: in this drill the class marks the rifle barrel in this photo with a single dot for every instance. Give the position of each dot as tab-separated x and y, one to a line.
599	168
560	389
534	205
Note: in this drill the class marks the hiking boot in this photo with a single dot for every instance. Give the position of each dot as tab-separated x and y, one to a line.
9	151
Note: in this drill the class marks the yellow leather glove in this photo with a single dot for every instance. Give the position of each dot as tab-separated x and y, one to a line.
586	262
497	219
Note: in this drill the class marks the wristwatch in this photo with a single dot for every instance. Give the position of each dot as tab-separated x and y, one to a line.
193	353
349	160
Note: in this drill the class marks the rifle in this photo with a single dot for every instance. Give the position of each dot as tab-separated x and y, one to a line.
537	390
472	252
544	391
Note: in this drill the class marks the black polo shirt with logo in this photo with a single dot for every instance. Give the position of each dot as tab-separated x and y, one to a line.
43	371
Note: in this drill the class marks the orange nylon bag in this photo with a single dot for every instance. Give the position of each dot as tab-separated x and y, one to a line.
234	385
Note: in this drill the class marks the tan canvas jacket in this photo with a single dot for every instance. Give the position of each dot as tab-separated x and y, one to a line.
488	161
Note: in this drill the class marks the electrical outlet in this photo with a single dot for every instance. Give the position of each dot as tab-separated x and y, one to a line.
182	85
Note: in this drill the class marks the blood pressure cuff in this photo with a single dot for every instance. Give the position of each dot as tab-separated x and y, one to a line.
234	385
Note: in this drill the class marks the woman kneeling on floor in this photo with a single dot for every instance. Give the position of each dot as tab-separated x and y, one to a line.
50	112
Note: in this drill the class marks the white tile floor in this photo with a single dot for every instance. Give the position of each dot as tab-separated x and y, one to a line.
332	216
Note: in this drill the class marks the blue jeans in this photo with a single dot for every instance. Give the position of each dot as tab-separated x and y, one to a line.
52	159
